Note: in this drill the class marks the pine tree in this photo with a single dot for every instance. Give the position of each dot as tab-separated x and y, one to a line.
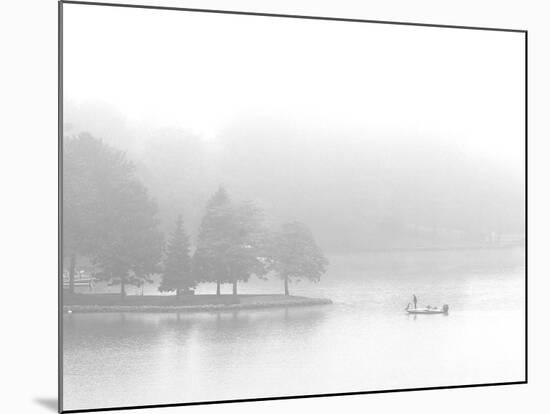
177	267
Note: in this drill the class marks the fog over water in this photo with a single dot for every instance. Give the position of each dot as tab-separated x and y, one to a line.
363	342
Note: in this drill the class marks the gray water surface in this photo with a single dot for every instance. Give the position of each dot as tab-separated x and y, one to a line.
363	342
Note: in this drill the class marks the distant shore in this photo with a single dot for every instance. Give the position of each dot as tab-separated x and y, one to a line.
92	303
407	249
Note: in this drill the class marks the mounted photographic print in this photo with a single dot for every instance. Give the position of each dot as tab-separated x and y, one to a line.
260	206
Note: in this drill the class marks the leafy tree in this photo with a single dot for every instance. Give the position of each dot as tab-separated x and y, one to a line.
247	251
112	219
177	267
209	260
75	233
82	156
230	242
296	255
132	243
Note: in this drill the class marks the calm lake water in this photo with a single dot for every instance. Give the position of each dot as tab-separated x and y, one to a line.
363	342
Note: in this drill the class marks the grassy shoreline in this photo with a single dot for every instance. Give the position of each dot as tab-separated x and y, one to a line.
92	303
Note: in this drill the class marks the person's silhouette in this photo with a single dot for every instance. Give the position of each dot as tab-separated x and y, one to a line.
414	300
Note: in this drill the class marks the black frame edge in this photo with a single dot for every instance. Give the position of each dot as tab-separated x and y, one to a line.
60	206
341	394
293	16
526	120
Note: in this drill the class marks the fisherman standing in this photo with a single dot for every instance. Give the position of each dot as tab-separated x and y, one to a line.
414	300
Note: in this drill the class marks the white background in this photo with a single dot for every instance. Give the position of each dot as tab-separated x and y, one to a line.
28	183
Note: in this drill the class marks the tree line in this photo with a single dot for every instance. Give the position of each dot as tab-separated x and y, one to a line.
110	218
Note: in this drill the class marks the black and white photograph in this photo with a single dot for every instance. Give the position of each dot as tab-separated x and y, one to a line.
274	206
260	206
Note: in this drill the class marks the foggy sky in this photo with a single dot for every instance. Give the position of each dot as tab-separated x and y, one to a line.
359	130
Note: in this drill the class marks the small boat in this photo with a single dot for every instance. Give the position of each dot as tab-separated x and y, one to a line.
429	310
